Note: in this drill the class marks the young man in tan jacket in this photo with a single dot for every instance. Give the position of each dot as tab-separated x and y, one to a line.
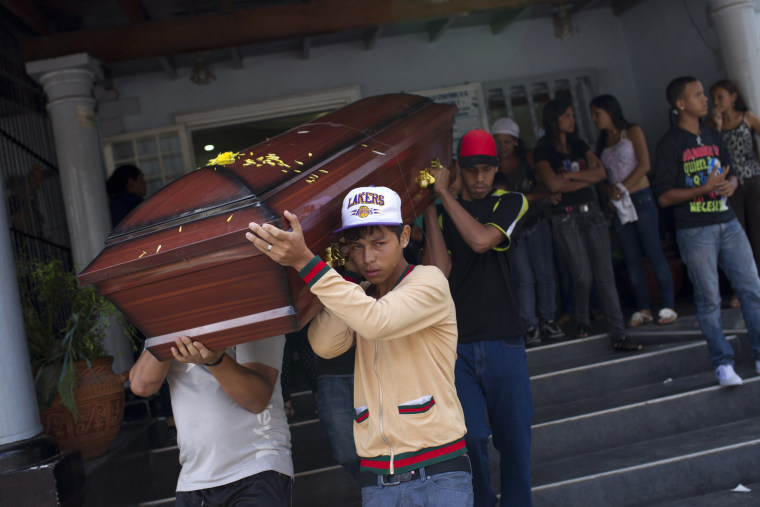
409	427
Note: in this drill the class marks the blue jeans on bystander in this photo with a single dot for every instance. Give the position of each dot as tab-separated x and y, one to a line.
492	378
336	414
584	242
703	250
644	234
533	275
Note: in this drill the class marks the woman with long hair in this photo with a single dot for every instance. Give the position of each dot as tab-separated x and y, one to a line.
533	268
622	149
737	123
566	165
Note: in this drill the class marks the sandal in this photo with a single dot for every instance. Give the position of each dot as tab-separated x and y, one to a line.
625	344
640	317
667	316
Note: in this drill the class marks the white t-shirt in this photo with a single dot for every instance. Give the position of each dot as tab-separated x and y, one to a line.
219	441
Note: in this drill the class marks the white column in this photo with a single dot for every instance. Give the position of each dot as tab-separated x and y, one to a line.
68	82
739	46
19	417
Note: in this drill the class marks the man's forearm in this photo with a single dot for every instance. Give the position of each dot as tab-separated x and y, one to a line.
435	252
147	374
479	237
678	195
249	386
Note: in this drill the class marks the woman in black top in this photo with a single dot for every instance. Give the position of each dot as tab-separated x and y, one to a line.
566	164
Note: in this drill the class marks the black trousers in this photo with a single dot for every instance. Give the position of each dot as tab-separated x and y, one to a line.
265	489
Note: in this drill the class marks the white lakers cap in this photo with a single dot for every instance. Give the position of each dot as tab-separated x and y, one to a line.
365	206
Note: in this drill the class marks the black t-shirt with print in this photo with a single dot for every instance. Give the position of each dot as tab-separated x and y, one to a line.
685	160
481	283
564	163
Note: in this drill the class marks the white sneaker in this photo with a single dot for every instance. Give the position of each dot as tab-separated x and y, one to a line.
727	376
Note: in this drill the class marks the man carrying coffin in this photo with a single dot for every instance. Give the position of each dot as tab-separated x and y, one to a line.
408	423
233	437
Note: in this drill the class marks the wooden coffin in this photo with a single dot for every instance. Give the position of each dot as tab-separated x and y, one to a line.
180	262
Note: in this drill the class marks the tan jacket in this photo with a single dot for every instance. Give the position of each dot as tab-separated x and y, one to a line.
406	413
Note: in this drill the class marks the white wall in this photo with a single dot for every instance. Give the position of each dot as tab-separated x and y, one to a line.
636	56
403	63
664	44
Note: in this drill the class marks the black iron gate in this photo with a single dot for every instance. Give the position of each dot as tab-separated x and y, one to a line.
33	196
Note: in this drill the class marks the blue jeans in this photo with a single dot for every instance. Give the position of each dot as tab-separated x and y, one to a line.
533	275
492	377
584	242
449	489
564	281
643	234
703	250
336	414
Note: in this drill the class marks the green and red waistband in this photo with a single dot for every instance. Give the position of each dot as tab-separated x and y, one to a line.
408	461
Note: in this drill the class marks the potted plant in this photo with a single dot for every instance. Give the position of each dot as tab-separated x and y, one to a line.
81	400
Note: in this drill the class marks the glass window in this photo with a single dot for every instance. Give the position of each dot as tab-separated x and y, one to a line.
146	146
170	144
150	166
123	151
162	155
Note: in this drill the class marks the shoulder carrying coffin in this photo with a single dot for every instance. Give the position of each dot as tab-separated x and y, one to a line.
180	262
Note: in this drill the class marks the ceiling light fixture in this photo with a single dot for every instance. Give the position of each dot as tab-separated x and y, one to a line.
202	74
563	23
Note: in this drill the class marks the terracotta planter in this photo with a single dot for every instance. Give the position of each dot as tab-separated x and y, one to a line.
100	401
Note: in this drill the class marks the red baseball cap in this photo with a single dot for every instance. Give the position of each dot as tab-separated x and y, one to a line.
477	147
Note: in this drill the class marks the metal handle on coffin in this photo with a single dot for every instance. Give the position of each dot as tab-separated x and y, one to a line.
333	257
425	178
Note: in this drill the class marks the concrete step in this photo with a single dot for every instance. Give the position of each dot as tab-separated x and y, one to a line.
658	470
326	487
588	377
310	446
161	502
164	465
650	417
724	498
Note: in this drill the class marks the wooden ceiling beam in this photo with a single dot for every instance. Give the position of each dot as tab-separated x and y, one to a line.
29	14
251	26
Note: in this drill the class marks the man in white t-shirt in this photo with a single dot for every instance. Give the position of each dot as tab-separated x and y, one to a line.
232	432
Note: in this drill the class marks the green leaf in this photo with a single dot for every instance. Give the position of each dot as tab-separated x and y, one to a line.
66	387
46	384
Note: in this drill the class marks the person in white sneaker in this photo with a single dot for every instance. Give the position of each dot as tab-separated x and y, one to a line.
692	174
